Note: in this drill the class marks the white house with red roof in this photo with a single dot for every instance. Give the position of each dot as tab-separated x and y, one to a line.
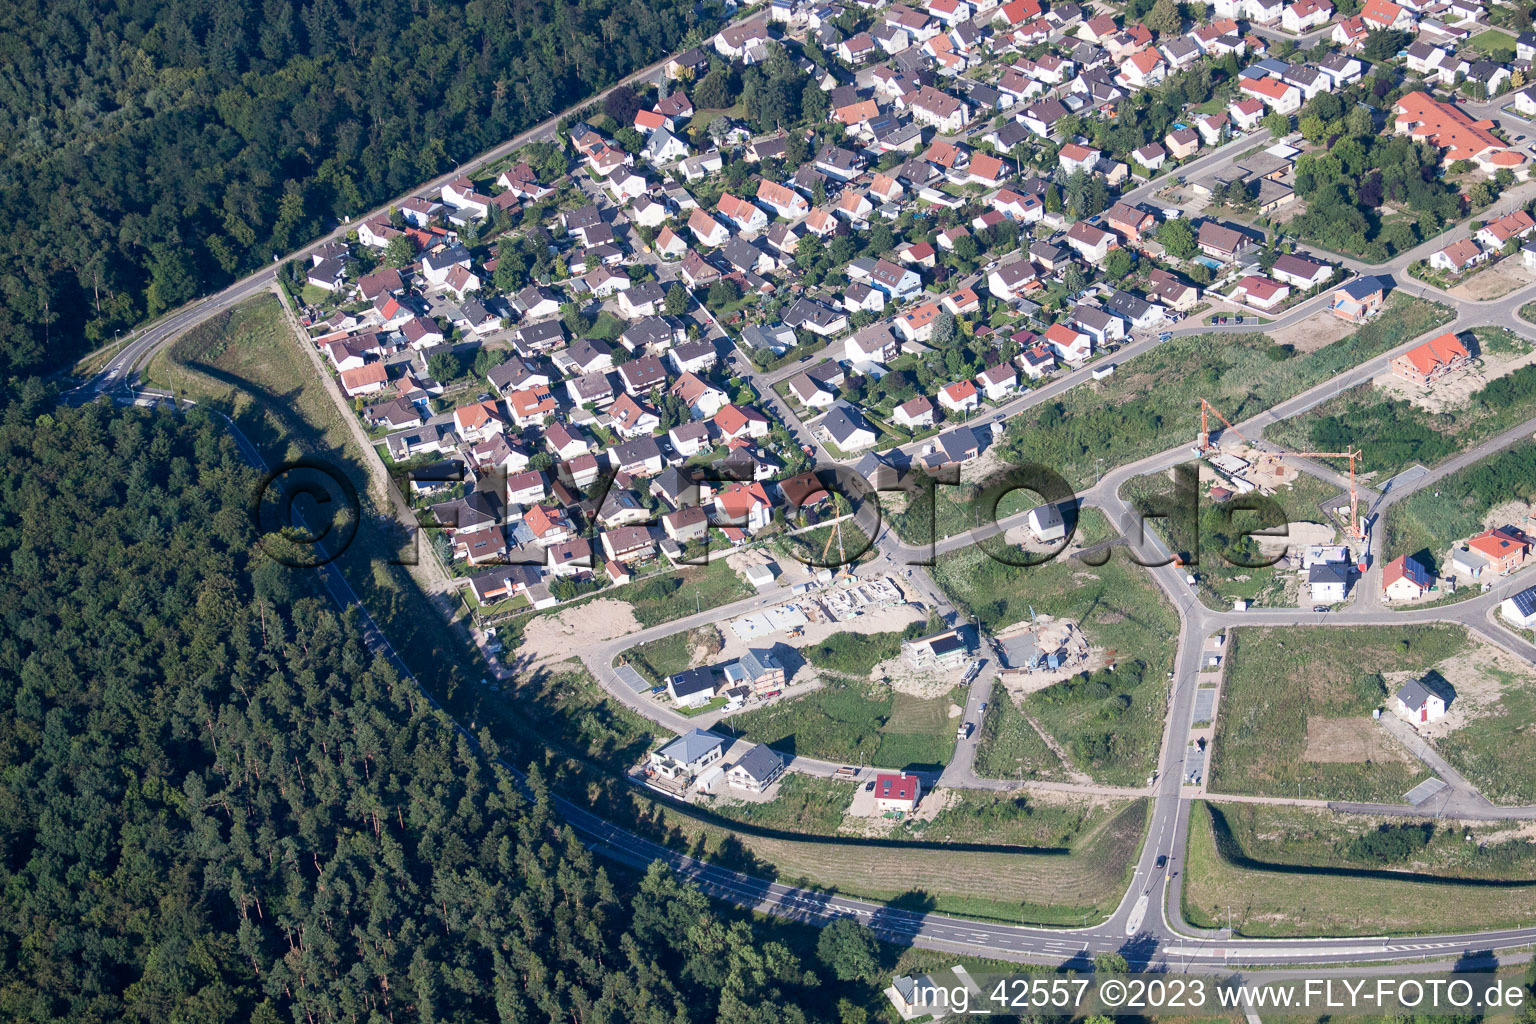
960	397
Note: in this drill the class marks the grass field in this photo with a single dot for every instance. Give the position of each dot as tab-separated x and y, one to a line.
1010	748
1152	402
1296	705
808	547
1494	751
1491	42
670	655
1056	886
852	721
676	594
1245	857
1112	727
1427	523
857	654
247	363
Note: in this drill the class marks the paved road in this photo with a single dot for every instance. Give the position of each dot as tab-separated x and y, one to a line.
1148	923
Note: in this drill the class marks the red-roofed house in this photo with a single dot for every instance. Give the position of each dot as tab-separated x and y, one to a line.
1379	14
960	397
1504	548
1403	579
1432	360
897	792
1458	256
1495	233
364	380
1444	126
741	421
1261	292
1281	97
1069	345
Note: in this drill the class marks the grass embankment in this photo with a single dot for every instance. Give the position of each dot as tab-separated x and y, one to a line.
1110	724
1296	710
1290	871
1151	404
1059	885
1426	524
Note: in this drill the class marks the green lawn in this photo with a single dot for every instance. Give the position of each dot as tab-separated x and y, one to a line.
1426	524
1286	871
852	721
1296	710
1492	41
659	659
1151	404
1111	725
676	594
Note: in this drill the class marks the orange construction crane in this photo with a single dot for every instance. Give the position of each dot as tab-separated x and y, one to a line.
1206	408
1356	528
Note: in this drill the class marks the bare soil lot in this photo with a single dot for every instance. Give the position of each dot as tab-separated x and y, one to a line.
1496	281
1349	741
1313	333
556	636
1454	391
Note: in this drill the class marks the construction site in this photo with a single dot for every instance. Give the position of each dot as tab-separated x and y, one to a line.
1043	651
1244	467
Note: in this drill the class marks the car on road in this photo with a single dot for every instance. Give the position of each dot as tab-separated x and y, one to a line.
1162	860
1320	608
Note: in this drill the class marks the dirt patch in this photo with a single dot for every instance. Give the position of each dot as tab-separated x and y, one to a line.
1455	390
556	636
1348	741
1520	514
1316	331
924	683
1498	280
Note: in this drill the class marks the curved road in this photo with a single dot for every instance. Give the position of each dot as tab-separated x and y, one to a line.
1147	926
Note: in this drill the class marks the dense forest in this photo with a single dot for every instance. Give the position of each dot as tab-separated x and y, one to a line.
157	150
219	806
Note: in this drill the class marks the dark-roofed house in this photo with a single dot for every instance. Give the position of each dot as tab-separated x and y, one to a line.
1223	243
755	770
1419	703
844	427
1358	300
